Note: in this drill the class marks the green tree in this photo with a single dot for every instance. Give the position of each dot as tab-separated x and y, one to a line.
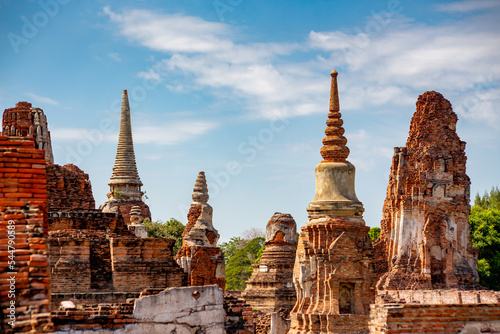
484	220
171	229
374	233
230	247
239	266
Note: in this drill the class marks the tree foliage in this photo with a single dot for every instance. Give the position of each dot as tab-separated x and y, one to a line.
239	265
374	233
171	229
484	220
230	247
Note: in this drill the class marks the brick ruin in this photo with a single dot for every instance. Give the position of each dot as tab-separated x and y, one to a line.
24	120
270	287
125	184
425	239
199	256
333	273
113	280
424	257
94	252
24	287
94	256
69	188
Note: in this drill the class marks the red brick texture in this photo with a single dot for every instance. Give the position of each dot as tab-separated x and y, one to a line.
93	251
239	315
334	278
206	263
425	238
17	121
69	189
22	205
449	318
270	287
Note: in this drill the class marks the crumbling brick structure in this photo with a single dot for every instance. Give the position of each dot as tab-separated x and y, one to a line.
425	239
199	255
333	272
68	189
24	120
125	183
271	285
239	315
24	273
92	251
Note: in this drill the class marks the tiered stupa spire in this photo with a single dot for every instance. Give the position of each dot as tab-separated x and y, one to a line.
334	148
125	177
335	193
200	191
333	272
125	184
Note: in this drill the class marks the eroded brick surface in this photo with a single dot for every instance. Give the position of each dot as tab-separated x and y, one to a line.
24	120
425	238
92	251
68	189
333	271
270	287
199	256
239	315
23	198
448	318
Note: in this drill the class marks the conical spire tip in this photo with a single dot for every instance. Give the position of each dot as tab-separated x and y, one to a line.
334	148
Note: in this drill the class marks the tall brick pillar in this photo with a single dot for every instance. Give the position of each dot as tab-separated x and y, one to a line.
24	263
333	272
425	240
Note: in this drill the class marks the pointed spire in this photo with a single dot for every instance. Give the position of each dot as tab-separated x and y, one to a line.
200	191
125	169
334	149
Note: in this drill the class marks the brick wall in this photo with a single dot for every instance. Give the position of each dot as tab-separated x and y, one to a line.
239	315
144	263
415	318
440	297
91	251
179	310
22	204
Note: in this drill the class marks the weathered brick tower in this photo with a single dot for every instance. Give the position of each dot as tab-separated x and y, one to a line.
24	120
271	285
199	256
333	272
125	184
425	239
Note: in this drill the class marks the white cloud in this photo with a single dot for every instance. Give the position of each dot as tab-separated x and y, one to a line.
115	57
404	59
171	33
468	6
42	99
171	133
167	133
384	63
203	55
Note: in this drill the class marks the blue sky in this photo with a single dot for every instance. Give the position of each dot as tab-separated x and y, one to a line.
240	90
